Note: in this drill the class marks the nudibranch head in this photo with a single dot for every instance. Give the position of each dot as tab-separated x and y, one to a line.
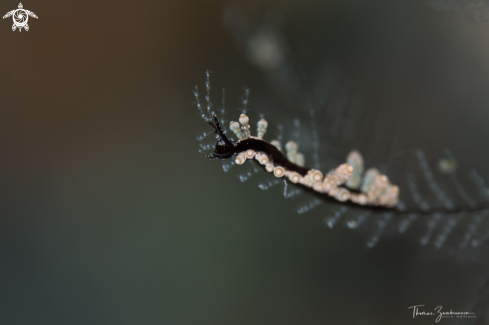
224	148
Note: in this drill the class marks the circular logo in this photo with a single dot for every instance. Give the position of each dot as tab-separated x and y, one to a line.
20	17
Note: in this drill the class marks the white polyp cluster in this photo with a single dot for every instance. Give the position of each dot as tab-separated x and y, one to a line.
342	173
250	154
390	196
310	179
294	177
262	159
355	159
316	176
374	188
276	144
234	126
300	160
377	190
343	195
291	149
244	120
262	128
278	171
292	154
368	179
377	187
360	199
240	159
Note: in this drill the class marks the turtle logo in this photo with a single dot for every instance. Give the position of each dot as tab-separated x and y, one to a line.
20	17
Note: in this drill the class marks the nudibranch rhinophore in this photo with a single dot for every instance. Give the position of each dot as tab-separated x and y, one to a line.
347	184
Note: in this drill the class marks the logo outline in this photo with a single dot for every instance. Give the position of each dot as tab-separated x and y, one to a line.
20	16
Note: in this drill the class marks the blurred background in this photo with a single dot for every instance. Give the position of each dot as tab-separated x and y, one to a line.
109	215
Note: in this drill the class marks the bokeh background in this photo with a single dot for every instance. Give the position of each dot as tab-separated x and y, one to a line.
108	214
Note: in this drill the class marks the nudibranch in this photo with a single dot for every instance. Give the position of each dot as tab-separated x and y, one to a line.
346	184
